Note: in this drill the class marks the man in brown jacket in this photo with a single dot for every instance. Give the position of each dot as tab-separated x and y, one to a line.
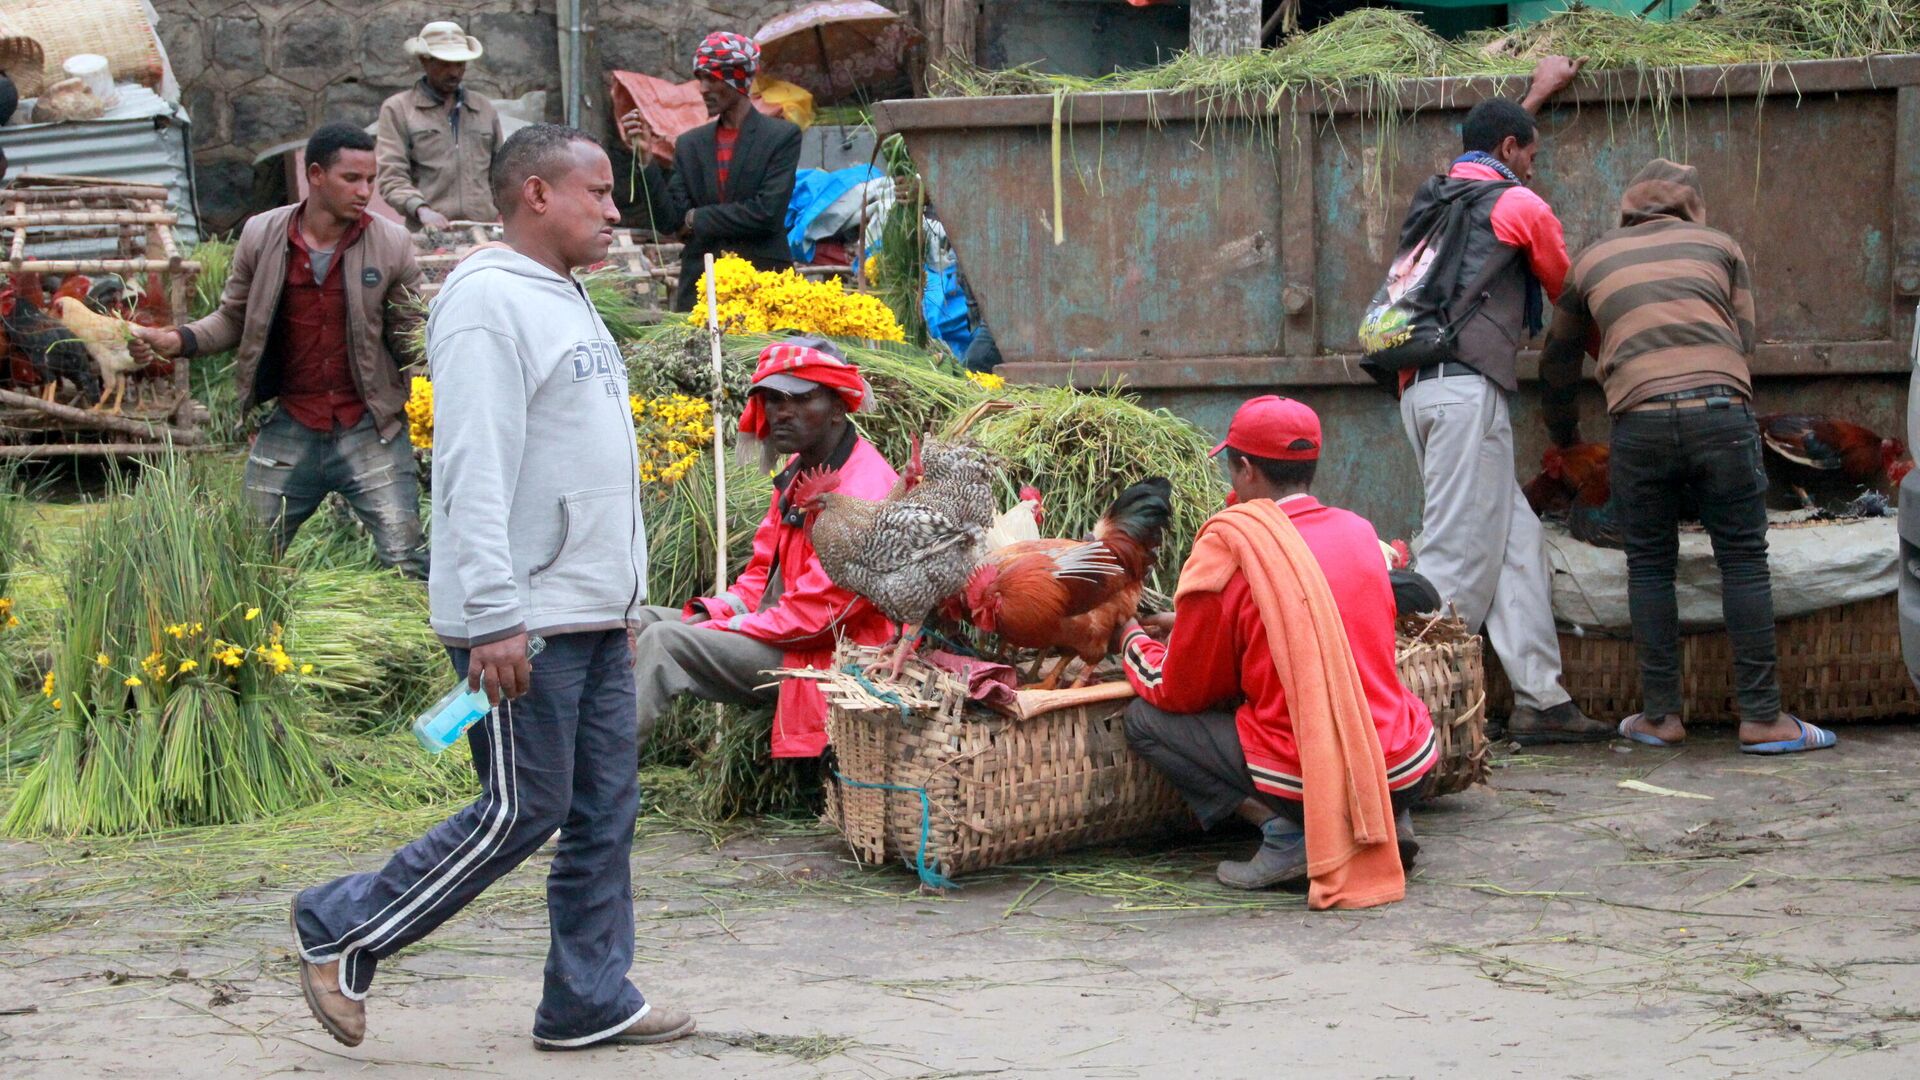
437	140
317	309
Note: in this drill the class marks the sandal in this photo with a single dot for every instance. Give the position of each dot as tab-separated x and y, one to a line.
1811	737
1642	737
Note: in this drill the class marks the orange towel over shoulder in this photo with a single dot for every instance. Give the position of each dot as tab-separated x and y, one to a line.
1352	859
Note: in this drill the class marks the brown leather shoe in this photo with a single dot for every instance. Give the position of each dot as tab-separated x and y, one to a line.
344	1018
658	1026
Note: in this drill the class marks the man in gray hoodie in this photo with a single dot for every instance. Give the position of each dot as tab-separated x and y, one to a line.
536	536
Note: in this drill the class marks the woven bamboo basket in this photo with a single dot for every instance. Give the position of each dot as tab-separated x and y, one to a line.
1841	664
922	779
919	778
1443	665
115	29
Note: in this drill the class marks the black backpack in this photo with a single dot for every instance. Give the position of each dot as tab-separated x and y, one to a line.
1411	322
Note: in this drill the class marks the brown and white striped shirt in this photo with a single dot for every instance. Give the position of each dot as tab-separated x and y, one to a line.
1672	304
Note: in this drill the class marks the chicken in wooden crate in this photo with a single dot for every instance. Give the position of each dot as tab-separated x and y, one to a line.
44	351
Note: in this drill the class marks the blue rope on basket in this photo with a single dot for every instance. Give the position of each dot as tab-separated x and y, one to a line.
929	877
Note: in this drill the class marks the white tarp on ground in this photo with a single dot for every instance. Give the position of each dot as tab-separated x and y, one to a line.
1814	567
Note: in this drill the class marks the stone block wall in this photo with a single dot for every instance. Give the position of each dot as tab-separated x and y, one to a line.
256	74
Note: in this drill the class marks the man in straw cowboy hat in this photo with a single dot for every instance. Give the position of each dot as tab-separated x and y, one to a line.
437	140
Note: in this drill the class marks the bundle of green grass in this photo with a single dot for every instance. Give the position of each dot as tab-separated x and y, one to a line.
1378	45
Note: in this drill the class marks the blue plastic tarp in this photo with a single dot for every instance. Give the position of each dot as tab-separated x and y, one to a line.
815	190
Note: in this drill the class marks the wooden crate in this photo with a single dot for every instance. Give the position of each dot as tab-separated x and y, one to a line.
48	209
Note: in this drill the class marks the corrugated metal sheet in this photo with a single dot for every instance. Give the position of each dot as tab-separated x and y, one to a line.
148	150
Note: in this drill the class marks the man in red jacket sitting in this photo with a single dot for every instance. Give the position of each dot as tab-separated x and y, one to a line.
783	611
1246	760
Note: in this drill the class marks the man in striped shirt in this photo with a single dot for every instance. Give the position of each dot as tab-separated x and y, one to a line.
1667	304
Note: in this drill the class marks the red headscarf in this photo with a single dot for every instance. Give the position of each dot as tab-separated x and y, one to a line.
813	359
728	58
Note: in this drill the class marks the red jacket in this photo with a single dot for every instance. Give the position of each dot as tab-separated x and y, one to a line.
1522	219
1219	651
811	613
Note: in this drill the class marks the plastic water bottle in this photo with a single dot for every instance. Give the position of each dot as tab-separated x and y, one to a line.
459	709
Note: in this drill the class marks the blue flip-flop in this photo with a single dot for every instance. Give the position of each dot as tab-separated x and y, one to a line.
1812	737
1640	736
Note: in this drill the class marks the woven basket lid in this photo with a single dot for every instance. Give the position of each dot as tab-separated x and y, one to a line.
22	58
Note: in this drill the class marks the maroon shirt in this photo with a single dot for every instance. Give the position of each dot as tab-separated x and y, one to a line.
724	139
310	337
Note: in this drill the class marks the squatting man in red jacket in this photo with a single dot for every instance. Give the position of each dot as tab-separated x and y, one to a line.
1244	759
783	611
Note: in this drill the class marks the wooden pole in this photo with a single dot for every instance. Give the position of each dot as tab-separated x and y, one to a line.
36	450
98	193
122	267
719	437
24	216
139	429
719	457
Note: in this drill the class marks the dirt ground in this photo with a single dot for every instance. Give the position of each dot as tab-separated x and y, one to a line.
1558	925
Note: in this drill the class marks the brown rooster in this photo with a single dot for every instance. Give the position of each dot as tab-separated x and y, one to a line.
1574	481
1071	595
1812	453
911	550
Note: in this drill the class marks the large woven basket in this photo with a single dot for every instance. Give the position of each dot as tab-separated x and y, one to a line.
921	779
115	29
1836	665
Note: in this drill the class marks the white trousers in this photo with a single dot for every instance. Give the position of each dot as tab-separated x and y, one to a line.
1480	544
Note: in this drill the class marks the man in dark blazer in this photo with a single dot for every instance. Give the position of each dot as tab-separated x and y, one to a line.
732	179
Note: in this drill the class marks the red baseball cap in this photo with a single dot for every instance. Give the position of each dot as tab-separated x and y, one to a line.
1276	428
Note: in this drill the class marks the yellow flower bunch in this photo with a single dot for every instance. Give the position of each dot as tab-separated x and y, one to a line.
8	620
175	655
420	413
986	380
762	301
670	431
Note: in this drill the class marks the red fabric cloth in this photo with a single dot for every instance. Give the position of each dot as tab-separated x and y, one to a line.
310	336
811	614
1219	650
1523	220
803	362
724	138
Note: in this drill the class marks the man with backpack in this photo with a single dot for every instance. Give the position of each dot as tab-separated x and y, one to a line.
1499	246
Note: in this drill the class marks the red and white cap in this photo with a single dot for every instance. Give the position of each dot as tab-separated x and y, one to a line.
1275	428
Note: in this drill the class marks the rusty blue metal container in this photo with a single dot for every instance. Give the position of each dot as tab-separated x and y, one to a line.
1211	252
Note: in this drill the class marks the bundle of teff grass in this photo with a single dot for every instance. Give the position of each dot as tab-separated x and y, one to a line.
1374	45
171	699
12	532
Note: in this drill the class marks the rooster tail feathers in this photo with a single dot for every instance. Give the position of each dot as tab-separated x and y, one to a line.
1140	513
1090	561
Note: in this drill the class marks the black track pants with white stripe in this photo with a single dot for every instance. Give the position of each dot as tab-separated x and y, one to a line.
561	757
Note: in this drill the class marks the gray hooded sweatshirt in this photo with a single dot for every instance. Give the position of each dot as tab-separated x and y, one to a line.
536	482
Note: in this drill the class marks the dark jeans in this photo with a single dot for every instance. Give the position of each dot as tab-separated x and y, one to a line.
1707	460
292	468
1200	754
561	757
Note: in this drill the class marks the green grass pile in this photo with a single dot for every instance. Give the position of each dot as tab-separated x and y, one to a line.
171	575
376	662
1377	45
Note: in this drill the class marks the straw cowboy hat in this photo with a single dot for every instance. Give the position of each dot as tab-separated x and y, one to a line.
445	41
